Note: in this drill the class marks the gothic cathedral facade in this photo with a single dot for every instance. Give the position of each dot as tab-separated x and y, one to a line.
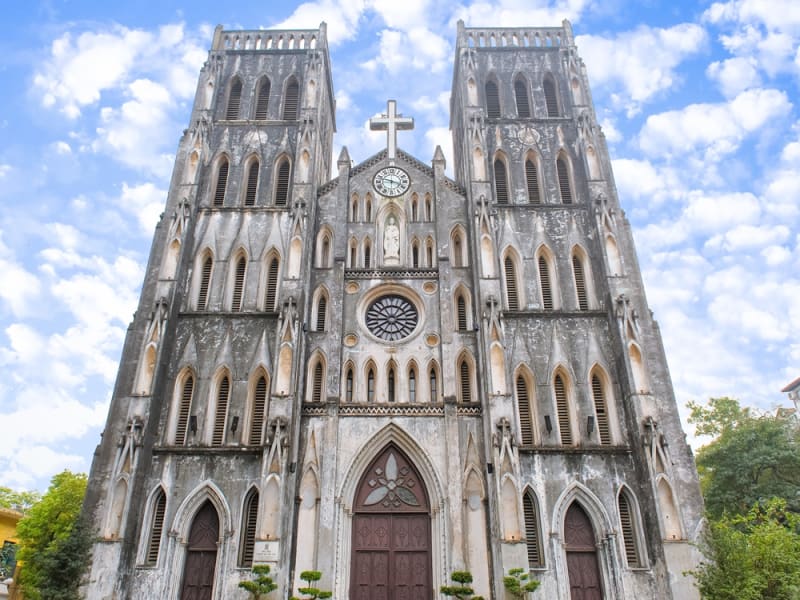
390	375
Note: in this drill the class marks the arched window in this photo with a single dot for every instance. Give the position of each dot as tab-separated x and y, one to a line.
544	283
248	535
271	287
461	312
532	181
415	254
629	527
521	96
580	282
601	410
412	384
156	528
428	208
433	383
184	407
259	412
325	252
511	283
563	180
283	173
316	383
414	208
222	182
492	100
368	208
290	102
354	209
205	280
234	100
262	100
391	385
464	380
562	408
238	283
322	310
533	530
348	393
550	97
367	255
353	254
458	249
429	253
251	189
370	384
525	415
500	181
221	411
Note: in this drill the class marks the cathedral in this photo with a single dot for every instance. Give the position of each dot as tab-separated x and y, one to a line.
384	374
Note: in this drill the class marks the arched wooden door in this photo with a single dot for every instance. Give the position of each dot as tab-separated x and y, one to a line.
584	573
201	555
391	540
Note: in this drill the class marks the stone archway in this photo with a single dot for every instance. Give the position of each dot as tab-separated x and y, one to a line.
201	555
391	532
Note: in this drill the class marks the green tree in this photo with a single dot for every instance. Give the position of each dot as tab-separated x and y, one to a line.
54	544
752	459
19	501
462	588
752	557
517	583
261	585
309	591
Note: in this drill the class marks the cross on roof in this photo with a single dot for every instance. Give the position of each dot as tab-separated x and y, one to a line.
391	122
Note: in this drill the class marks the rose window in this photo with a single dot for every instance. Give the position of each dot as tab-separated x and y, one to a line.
391	318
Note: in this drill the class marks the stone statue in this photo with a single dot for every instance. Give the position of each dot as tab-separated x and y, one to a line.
391	239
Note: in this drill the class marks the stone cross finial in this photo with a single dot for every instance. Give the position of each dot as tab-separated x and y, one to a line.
391	123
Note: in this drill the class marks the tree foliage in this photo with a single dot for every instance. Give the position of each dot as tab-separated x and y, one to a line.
261	585
309	591
462	589
54	543
752	459
518	583
752	557
19	501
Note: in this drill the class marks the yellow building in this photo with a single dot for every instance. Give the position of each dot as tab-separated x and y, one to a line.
8	536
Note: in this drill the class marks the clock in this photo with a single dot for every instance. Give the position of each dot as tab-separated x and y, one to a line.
391	181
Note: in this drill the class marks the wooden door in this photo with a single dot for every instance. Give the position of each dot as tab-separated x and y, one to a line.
582	566
391	541
201	555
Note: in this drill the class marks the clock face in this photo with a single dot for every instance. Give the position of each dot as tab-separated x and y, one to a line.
391	181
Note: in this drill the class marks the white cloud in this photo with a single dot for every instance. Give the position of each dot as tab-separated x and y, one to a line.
342	18
418	48
734	75
20	288
648	184
750	237
145	201
33	462
4	170
513	13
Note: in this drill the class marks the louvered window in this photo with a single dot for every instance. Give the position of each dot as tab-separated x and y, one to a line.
461	310
282	183
434	386
563	180
290	103
524	404
465	381
415	256
511	284
156	528
205	280
533	536
183	411
580	283
249	520
222	183
316	385
500	182
234	100
492	100
521	95
272	285
412	386
322	308
601	410
259	412
532	181
367	257
238	284
349	386
550	98
391	386
371	386
628	532
544	283
252	184
262	102
221	414
563	411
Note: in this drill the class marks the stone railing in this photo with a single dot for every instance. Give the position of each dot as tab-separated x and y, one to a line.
527	37
267	39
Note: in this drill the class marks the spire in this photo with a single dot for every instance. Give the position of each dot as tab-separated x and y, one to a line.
438	156
344	158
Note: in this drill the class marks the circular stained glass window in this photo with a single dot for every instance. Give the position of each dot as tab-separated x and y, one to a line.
392	318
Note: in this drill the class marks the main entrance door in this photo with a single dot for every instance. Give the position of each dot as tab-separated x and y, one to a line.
201	555
584	574
391	547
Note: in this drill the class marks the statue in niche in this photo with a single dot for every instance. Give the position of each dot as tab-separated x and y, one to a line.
391	239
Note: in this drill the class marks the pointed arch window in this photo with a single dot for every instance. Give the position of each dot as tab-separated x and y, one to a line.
428	208
521	96
252	184
500	181
221	412
322	310
370	385
524	407
544	284
492	100
205	280
316	384
348	394
325	252
353	255
259	411
156	528
461	312
563	180
262	100
532	182
562	408
249	521
412	384
580	282
368	209
290	103
433	384
272	284
627	521
550	97
429	253
414	209
282	182
601	410
222	182
415	254
391	385
465	380
185	405
354	209
367	255
234	100
533	530
238	284
512	296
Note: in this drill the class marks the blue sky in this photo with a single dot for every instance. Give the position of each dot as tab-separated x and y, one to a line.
698	101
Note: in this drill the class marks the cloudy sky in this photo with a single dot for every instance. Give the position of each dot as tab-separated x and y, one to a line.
698	102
